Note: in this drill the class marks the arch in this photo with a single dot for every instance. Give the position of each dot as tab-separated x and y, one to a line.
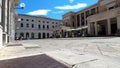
22	34
39	26
27	25
32	25
47	26
39	35
27	35
21	24
48	35
32	35
44	35
43	26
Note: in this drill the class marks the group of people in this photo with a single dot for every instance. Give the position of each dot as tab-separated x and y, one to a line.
19	38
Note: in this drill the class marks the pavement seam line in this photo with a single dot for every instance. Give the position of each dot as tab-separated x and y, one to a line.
99	49
84	62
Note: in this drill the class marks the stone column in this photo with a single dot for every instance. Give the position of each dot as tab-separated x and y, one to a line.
1	35
89	28
118	25
118	22
96	29
80	19
109	27
66	34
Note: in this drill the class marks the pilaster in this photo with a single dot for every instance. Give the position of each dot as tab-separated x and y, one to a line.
109	27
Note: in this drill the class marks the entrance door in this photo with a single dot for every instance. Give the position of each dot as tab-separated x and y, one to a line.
27	35
113	26
39	35
32	35
47	35
102	28
43	35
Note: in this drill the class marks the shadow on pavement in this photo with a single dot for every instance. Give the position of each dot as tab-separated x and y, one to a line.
37	61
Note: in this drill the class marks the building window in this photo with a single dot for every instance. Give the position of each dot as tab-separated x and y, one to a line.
86	22
27	19
87	13
73	17
39	21
39	26
66	23
21	19
73	24
43	26
27	35
32	20
52	26
21	25
93	11
27	25
32	25
47	22
83	23
47	27
52	22
43	21
78	20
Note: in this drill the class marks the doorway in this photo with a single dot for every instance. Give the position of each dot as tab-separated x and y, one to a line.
39	35
102	29
44	35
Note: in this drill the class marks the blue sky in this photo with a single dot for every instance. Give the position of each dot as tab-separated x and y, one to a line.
53	8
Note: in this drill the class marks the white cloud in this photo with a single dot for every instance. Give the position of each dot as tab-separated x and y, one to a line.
67	7
71	1
39	12
58	12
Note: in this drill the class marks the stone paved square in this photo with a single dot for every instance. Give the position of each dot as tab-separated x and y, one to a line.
84	52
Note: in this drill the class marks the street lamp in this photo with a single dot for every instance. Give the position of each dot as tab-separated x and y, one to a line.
21	6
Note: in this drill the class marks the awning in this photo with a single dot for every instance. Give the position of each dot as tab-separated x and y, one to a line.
80	28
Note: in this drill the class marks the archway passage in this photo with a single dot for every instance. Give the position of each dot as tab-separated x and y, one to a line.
113	26
47	35
27	35
39	35
44	35
102	29
32	35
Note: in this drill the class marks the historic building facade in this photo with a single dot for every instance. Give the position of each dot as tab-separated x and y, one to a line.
100	19
7	20
0	22
107	21
35	27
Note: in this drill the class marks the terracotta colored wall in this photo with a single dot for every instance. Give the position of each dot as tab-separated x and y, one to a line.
118	2
101	8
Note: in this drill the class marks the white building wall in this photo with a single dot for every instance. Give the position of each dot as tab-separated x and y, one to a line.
37	21
1	32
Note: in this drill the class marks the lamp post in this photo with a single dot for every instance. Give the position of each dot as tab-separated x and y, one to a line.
21	6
